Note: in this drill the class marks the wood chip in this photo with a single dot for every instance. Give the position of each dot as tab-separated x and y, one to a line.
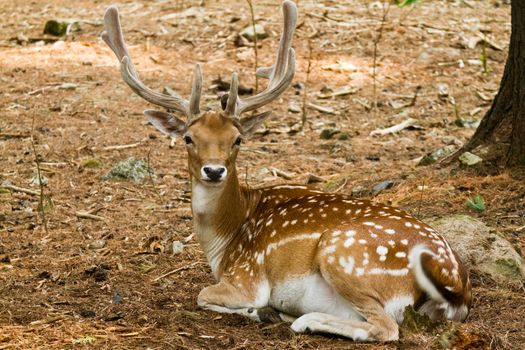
395	128
321	109
342	92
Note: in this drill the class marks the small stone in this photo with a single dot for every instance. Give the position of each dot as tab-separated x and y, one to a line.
177	247
97	244
451	140
383	185
260	32
442	91
91	163
87	313
327	134
130	169
60	27
431	158
344	136
114	316
469	159
35	180
311	179
44	274
467	123
358	191
294	108
117	298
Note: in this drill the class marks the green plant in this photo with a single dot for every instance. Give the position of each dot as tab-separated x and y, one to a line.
403	3
476	203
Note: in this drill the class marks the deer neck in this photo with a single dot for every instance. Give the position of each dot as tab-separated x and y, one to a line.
218	215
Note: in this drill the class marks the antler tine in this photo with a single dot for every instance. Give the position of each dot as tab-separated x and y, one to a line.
196	90
115	40
233	99
281	73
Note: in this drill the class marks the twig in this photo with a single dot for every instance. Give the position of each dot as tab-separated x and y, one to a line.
40	182
376	42
19	189
420	199
321	109
342	185
254	44
187	267
7	136
86	215
305	96
118	147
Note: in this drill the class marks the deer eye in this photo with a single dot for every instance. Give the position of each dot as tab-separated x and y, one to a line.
238	141
188	140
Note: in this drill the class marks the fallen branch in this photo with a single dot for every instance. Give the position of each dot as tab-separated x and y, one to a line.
87	215
117	147
6	136
19	189
321	109
395	128
187	267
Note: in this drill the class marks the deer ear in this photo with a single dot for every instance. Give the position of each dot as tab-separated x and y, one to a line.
250	124
165	122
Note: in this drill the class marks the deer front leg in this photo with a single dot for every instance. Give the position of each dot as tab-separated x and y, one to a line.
226	298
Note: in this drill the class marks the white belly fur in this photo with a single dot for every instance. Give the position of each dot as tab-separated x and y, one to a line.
310	293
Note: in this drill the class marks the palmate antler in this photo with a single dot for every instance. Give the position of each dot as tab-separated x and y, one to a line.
280	74
115	40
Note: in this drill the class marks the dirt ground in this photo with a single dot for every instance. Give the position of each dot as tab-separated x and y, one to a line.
88	283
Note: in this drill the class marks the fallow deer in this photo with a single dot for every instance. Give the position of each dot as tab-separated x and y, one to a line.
324	262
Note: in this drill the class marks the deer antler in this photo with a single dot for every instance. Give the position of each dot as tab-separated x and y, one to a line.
280	74
115	40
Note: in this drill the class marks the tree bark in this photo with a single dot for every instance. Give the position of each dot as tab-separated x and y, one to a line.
504	123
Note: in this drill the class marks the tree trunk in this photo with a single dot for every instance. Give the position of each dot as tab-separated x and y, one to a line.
503	127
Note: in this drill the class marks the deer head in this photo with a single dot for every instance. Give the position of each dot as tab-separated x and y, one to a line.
213	137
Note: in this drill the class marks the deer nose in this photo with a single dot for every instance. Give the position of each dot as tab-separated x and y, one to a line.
214	173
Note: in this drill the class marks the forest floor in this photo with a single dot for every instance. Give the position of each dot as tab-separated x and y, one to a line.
88	283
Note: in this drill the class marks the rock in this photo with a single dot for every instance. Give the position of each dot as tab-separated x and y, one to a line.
358	191
311	179
469	159
481	248
60	27
97	244
442	91
177	247
116	298
383	185
334	183
294	108
467	123
130	169
86	313
451	140
260	32
431	158
35	180
326	134
344	136
91	163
